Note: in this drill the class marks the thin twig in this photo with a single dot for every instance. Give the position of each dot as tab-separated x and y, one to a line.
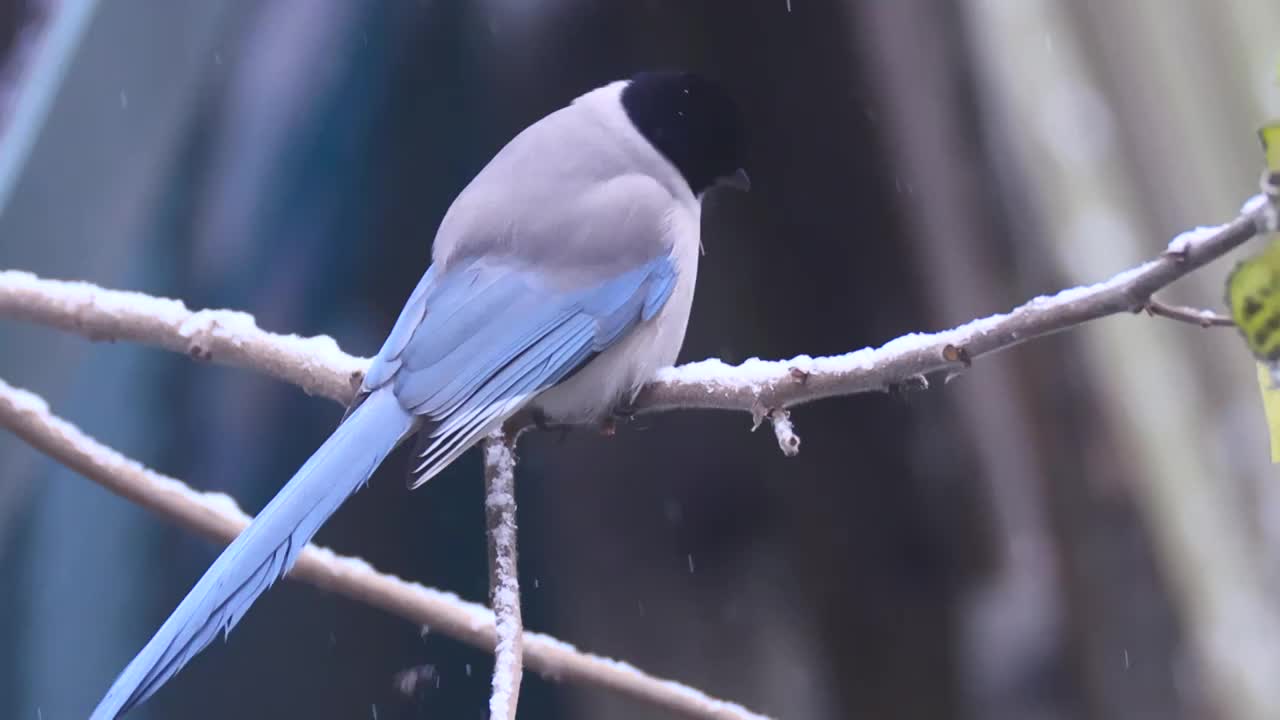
217	517
1182	313
504	580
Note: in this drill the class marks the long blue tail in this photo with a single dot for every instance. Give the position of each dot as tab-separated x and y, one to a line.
265	550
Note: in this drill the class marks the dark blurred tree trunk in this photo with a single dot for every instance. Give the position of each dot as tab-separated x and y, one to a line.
1043	634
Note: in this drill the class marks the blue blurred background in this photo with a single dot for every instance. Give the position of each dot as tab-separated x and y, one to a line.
992	549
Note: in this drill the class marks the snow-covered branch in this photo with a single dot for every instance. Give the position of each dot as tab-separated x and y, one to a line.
766	389
756	386
226	337
218	518
504	580
770	385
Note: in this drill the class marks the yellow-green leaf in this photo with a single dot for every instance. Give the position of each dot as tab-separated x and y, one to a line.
1271	407
1270	136
1253	294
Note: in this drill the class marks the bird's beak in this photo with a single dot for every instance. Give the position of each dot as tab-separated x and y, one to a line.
738	180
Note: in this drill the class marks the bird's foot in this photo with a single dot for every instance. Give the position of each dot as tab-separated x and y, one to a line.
624	411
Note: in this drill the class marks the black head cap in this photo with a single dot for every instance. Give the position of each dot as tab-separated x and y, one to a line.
692	122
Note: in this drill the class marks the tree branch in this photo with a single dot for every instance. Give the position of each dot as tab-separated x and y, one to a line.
1193	316
762	388
226	337
320	368
504	577
712	384
217	517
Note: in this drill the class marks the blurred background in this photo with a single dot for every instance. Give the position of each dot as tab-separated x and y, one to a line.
1083	527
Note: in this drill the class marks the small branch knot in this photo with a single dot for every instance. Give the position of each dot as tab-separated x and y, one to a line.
957	353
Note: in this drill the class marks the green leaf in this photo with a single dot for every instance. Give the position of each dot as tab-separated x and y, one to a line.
1271	407
1253	294
1270	136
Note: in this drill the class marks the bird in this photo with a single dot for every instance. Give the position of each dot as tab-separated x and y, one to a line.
561	280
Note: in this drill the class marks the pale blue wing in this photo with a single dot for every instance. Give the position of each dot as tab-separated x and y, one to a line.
490	335
470	347
387	361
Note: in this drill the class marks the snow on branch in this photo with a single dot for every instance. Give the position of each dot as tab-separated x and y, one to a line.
766	389
782	384
756	386
217	517
227	337
504	580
